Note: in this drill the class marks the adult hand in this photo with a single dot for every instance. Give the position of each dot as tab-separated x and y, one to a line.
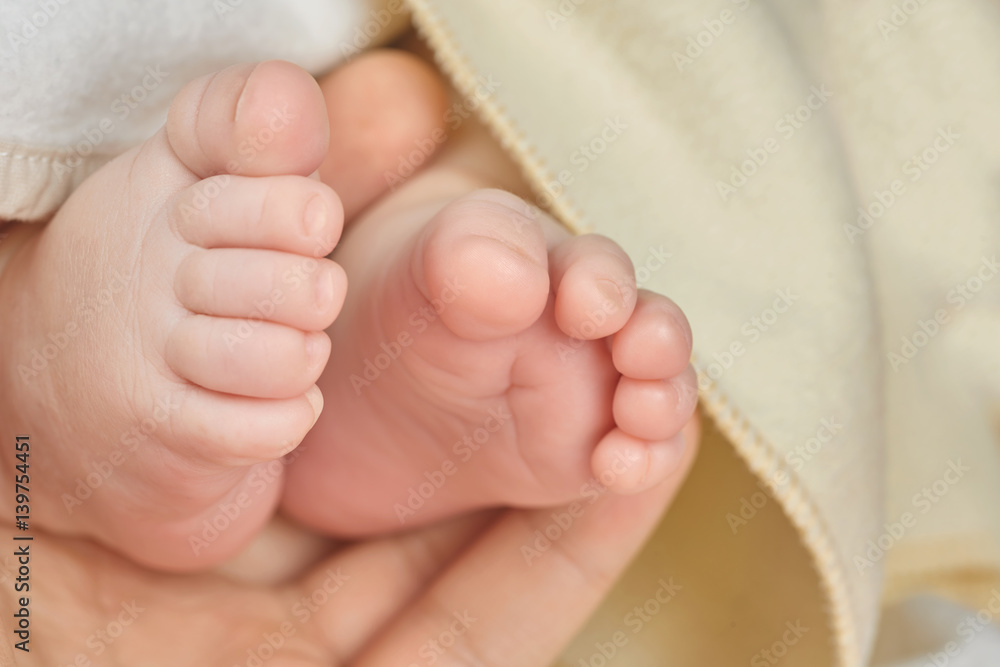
477	591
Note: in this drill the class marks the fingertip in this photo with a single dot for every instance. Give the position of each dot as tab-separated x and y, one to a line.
382	107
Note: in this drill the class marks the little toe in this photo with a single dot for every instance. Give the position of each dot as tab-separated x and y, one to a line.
262	285
594	282
231	431
655	343
289	213
626	464
655	409
246	357
485	264
256	120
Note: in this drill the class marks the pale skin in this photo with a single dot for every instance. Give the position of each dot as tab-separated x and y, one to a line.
193	303
498	401
400	593
377	603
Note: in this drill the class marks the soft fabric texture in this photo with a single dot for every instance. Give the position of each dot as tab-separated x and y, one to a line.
81	82
742	138
849	364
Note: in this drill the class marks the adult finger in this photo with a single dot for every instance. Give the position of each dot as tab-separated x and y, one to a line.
514	599
350	596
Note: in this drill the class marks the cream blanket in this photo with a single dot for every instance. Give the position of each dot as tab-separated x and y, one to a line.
822	179
815	183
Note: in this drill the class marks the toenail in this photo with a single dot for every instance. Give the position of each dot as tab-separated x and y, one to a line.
239	102
611	293
315	349
325	290
678	445
316	216
673	451
684	329
315	398
687	395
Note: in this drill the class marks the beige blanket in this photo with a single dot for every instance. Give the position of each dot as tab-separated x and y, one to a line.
817	185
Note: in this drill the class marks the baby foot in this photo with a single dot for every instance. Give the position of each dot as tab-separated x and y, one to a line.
486	357
164	332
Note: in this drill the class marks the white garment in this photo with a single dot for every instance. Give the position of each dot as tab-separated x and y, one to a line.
928	631
82	81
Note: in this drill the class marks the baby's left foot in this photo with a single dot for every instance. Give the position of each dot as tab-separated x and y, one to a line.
486	357
161	336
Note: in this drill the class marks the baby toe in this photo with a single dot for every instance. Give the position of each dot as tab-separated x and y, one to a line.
655	343
288	213
262	285
258	120
625	464
246	357
485	263
595	286
655	409
233	431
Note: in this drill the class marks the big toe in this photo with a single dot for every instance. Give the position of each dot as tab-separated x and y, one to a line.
482	263
256	120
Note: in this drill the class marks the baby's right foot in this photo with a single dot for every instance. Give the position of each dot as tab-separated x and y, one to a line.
164	332
485	357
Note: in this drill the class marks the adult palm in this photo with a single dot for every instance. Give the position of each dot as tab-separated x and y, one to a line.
477	591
